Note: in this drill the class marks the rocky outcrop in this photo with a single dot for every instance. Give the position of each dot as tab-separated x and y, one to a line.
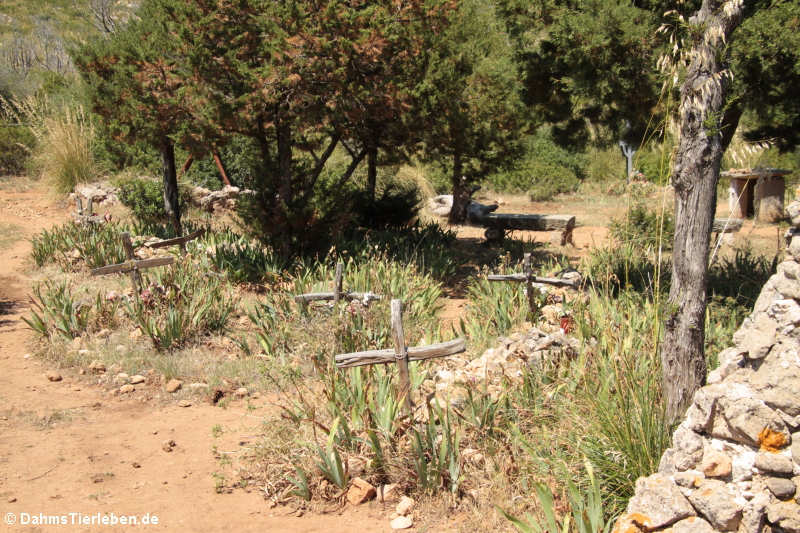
734	464
212	201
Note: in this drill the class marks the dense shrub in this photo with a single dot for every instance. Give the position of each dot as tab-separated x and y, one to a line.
544	170
145	198
644	227
394	206
16	143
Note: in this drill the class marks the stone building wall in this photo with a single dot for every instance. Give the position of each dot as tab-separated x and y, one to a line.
734	464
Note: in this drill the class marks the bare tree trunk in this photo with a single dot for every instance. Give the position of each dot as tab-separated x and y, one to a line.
461	193
372	170
694	178
171	204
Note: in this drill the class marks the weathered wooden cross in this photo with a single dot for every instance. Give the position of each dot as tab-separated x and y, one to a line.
529	279
177	240
337	293
132	265
401	354
85	215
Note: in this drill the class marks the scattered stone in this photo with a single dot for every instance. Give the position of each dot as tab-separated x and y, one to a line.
693	524
196	387
127	389
782	488
401	522
774	463
168	445
97	367
103	333
659	502
136	465
184	403
716	464
716	504
689	479
136	379
122	377
11	499
389	493
53	376
360	491
405	506
241	392
785	515
173	385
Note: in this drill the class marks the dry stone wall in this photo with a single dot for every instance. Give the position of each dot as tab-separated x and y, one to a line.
734	464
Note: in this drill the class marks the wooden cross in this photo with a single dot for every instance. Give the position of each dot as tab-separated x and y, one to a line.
85	215
177	240
132	265
337	293
401	354
529	279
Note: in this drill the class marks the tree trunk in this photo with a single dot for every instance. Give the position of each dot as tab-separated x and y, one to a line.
694	178
170	177
461	192
372	170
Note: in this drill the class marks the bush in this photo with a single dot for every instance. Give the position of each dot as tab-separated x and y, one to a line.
644	228
544	171
395	206
64	151
69	244
16	143
145	198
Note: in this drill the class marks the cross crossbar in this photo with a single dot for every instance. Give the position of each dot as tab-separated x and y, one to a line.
177	240
129	266
400	354
337	293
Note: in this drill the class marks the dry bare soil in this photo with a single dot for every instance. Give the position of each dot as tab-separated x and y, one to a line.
69	447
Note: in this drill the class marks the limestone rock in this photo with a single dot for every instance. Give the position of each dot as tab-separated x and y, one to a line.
360	491
53	376
173	385
782	488
405	506
659	502
97	367
715	464
401	522
136	379
127	389
716	504
785	515
774	463
692	524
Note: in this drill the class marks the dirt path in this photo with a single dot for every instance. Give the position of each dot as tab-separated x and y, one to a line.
69	447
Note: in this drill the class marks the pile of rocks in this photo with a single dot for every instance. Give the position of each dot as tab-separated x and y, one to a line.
506	362
102	194
735	460
212	201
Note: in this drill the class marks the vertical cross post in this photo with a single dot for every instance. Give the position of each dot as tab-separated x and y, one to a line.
401	353
79	206
136	277
337	284
528	271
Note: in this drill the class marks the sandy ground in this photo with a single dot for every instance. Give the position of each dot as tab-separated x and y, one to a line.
69	447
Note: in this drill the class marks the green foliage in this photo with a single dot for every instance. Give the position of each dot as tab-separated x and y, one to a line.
644	228
436	452
144	197
16	144
395	206
57	312
240	259
181	303
544	170
95	244
587	513
330	463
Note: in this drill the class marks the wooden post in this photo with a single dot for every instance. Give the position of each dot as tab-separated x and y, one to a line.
401	354
136	277
337	284
221	168
528	271
79	206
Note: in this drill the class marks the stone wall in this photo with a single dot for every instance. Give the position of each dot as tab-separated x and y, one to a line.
735	460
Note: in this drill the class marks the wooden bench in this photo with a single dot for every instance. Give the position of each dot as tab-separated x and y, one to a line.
724	226
497	224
